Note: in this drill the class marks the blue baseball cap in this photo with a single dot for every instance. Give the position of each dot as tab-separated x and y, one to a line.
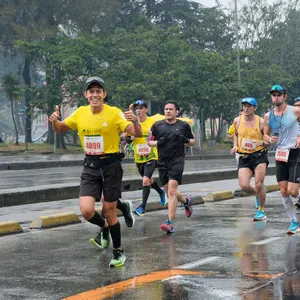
250	101
278	88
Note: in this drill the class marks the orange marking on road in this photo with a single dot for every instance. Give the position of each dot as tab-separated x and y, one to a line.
264	275
119	287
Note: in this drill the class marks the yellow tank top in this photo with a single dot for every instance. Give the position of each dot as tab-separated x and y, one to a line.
248	136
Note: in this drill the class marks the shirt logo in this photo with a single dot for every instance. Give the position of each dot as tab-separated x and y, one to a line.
104	124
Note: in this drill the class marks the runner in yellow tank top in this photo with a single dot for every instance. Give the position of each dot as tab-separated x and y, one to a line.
249	143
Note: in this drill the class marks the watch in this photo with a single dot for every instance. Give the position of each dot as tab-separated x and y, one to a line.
136	121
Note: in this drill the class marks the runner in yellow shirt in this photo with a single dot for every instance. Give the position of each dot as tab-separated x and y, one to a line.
99	126
146	157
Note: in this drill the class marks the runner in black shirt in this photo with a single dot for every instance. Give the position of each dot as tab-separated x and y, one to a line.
171	136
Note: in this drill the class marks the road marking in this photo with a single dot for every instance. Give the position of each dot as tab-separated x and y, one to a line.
173	277
122	286
197	263
266	241
263	275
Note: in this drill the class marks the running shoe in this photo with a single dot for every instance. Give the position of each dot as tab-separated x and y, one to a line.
102	239
140	211
256	203
260	216
119	258
297	204
167	226
163	197
188	206
294	228
128	215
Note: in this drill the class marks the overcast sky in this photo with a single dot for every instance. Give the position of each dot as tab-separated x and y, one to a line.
227	3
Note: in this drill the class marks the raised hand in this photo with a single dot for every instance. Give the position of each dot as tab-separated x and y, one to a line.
55	116
129	115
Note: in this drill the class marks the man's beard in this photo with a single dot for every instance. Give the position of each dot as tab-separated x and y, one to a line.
278	104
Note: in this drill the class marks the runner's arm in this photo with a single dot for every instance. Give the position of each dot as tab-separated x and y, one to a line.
267	129
57	125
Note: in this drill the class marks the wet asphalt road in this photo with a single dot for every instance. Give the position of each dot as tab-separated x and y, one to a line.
238	259
45	177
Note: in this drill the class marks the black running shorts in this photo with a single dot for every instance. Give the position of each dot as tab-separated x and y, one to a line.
253	160
290	170
106	180
173	171
147	169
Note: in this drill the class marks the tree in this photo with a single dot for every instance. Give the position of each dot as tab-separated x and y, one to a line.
10	85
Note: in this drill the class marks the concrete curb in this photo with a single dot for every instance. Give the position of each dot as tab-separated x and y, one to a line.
55	220
71	217
272	187
10	227
268	187
218	196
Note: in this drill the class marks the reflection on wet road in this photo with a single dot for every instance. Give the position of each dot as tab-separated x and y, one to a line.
232	257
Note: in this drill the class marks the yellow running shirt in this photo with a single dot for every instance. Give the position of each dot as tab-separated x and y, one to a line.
142	152
98	133
248	136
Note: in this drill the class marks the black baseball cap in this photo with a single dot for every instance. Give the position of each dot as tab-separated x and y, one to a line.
92	80
141	103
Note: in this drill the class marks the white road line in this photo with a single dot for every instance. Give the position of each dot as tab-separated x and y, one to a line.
197	263
173	277
266	241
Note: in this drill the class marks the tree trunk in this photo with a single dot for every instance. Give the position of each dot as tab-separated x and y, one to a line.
18	118
13	117
148	9
50	135
27	81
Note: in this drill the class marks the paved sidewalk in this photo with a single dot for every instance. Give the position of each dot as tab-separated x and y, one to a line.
24	214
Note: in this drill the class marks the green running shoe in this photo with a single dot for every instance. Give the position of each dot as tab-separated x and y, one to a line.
119	258
102	239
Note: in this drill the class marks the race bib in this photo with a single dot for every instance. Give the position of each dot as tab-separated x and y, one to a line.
282	155
94	145
143	150
248	145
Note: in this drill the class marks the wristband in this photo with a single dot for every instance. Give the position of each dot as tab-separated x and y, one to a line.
135	122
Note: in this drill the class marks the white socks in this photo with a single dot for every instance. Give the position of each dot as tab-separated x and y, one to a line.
289	207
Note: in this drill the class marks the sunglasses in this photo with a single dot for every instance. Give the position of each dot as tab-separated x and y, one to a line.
139	102
277	88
